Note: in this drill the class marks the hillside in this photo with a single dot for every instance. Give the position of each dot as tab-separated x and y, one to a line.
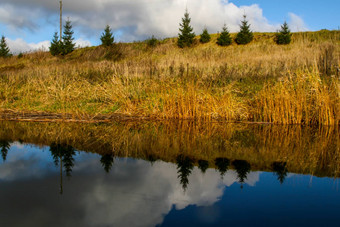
261	82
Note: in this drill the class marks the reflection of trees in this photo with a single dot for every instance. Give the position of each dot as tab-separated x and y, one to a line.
242	168
222	165
63	153
184	168
151	158
280	170
203	165
5	146
107	162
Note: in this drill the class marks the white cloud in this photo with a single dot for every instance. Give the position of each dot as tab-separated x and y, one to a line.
21	46
296	23
139	19
82	42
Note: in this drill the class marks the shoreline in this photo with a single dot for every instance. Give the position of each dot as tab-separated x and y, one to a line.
35	116
49	117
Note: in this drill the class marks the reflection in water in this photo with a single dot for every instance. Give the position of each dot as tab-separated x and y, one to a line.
280	170
4	146
135	193
107	161
222	165
242	168
184	167
303	149
203	165
63	153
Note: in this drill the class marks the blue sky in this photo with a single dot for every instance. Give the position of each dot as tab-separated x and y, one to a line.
30	24
316	14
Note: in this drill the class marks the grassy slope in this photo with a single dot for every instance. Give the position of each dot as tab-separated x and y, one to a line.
257	82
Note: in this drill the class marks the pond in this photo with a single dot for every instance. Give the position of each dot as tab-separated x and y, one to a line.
168	174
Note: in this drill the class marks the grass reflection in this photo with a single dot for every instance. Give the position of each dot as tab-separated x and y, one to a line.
273	148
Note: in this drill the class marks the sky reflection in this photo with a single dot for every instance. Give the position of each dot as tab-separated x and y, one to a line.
140	193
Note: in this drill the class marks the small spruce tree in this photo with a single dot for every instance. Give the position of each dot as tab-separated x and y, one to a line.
224	39
245	36
107	37
283	37
4	50
186	35
205	36
56	45
152	42
67	43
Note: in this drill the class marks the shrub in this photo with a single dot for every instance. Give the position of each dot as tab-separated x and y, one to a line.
152	42
205	36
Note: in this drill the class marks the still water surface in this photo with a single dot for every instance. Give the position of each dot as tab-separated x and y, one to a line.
252	180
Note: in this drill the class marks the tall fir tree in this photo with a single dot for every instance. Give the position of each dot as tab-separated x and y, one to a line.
224	39
283	37
205	36
68	45
107	37
4	49
56	45
186	36
245	36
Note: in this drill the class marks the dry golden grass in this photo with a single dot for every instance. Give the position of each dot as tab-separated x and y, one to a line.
257	82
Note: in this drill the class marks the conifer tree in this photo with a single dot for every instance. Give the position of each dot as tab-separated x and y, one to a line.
68	45
186	35
283	37
152	42
107	37
205	36
56	45
245	36
224	39
4	50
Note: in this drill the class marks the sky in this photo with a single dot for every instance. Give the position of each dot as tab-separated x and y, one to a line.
29	25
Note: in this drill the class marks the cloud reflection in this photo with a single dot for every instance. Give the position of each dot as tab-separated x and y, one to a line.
134	193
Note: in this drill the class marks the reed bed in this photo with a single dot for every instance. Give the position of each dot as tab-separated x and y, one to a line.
294	84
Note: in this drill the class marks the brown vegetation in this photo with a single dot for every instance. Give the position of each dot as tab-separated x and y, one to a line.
294	84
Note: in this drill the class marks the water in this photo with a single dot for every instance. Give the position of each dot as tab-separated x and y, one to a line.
168	174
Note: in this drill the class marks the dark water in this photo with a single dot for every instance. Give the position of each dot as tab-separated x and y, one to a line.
45	180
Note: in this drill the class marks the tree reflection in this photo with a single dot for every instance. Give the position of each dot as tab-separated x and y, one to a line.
280	170
63	153
107	162
184	167
222	165
242	168
151	158
5	146
203	165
